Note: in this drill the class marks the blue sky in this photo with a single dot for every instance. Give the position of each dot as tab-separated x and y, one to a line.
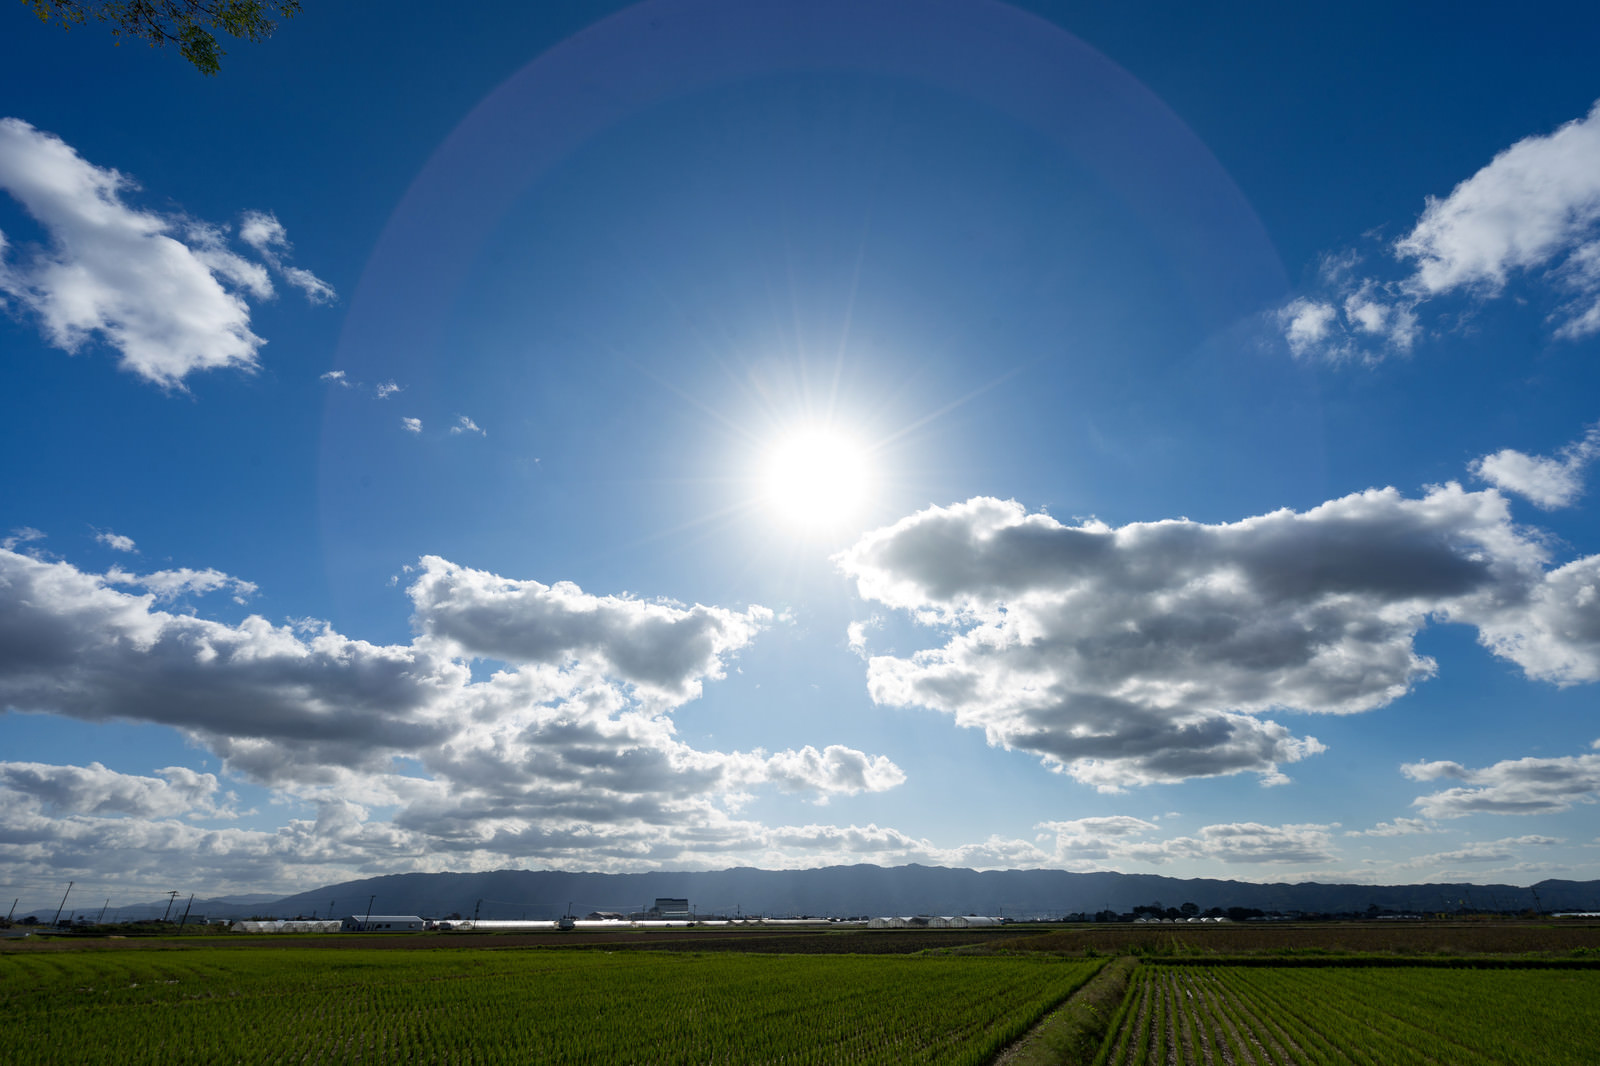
703	434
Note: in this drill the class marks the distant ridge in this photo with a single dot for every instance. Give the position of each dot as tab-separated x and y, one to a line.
843	891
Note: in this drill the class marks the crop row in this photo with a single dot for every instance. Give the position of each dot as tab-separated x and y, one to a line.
1268	1016
298	1005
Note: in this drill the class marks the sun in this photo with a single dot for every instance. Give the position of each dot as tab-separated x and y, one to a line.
816	478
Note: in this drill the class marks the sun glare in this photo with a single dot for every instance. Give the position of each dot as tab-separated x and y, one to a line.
816	478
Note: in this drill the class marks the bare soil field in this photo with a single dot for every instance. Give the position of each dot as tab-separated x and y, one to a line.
1494	937
1506	937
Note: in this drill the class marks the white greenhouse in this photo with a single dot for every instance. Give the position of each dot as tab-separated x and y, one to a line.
296	926
922	921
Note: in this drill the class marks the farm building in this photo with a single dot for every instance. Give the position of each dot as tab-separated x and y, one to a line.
383	923
670	908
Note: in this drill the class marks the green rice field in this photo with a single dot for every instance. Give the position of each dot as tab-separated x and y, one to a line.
288	1004
1277	1016
1299	996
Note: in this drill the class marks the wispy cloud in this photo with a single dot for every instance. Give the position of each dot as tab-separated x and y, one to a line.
1531	212
20	536
1512	786
1400	827
1549	482
466	425
163	290
1121	838
115	541
263	232
167	585
412	425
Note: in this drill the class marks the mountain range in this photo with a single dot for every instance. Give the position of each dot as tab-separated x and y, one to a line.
844	891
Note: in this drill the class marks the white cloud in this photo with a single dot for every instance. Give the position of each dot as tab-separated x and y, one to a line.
1548	481
565	754
1252	842
263	232
856	635
1124	839
1400	827
412	425
386	390
95	790
1506	849
1535	203
337	377
20	536
1151	652
835	770
167	585
114	541
1308	325
150	285
1534	208
1512	786
466	425
662	649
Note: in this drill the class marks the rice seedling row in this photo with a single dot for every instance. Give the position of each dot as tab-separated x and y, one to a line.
1275	1016
297	1005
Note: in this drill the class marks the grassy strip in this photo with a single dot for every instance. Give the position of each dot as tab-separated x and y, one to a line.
1073	1032
1384	962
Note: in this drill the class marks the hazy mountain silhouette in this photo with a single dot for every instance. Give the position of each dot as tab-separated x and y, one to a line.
874	890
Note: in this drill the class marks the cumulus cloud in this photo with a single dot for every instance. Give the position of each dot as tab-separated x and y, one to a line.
114	541
1252	842
1152	652
1512	786
1095	839
336	377
466	425
836	769
412	425
385	390
1549	482
95	790
565	753
662	649
1533	210
165	291
1351	319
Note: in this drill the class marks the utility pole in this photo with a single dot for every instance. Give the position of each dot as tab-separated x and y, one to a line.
102	917
172	897
64	896
475	909
368	920
13	907
186	912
